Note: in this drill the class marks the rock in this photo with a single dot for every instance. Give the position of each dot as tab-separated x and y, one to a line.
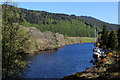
60	39
47	40
50	40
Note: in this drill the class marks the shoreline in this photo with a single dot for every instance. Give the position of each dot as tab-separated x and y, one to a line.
87	74
97	72
47	40
46	49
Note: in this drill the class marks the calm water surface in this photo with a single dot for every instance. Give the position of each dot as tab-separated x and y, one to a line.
65	61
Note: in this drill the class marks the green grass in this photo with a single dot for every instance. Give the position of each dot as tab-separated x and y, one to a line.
87	39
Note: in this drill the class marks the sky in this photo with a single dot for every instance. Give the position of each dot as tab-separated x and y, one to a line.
62	0
105	11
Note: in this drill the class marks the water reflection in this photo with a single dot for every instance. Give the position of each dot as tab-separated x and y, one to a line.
65	61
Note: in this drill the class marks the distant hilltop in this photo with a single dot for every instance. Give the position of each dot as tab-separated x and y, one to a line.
70	25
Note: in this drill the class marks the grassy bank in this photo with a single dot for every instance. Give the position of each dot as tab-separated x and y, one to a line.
87	39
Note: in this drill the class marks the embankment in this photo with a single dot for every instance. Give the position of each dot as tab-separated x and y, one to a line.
47	40
105	69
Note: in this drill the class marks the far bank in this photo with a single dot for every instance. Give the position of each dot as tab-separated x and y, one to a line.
47	40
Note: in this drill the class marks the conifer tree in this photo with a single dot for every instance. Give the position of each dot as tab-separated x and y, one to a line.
118	35
104	36
112	40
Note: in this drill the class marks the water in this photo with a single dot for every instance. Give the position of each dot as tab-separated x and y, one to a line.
66	61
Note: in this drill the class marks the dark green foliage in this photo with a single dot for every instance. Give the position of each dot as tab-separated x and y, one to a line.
118	34
70	25
112	40
104	37
95	22
14	45
109	39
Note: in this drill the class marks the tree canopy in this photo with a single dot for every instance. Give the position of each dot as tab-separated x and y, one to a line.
104	37
109	39
14	45
70	25
112	40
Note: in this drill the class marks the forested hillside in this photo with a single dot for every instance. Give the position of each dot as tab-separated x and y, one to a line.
99	23
69	25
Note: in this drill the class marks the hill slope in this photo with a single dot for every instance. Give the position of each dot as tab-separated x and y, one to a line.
97	22
70	25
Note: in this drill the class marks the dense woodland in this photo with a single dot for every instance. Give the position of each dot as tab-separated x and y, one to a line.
92	21
69	25
109	39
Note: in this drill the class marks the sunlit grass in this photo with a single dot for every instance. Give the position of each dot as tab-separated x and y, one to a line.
87	39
